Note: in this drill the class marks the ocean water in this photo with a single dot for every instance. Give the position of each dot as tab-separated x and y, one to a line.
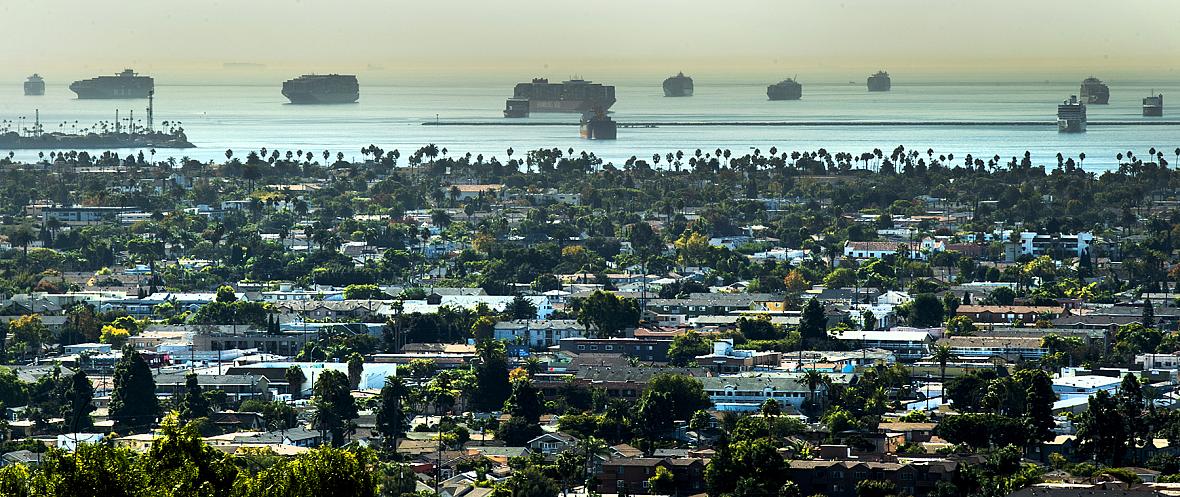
244	118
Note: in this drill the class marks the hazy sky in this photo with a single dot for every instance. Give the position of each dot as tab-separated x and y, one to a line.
414	40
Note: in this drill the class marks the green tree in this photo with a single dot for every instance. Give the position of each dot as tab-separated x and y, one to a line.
491	375
92	469
528	482
364	292
942	354
181	462
525	402
606	312
925	311
335	409
749	467
1102	431
1002	296
194	404
391	412
322	471
662	482
225	295
875	488
521	308
133	401
277	415
813	324
960	326
79	403
687	347
356	366
676	395
30	331
295	378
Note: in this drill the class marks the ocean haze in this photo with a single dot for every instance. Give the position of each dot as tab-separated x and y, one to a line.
385	42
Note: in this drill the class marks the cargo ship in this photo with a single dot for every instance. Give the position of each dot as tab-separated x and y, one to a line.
678	86
880	82
126	84
597	125
34	85
516	108
322	89
1071	116
787	89
1153	105
575	95
1094	91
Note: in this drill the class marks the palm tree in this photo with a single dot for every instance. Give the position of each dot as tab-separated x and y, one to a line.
942	354
813	379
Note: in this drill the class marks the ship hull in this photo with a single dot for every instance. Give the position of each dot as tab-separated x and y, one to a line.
599	130
677	92
776	94
1153	111
34	90
109	93
879	85
579	106
1071	126
312	98
1097	99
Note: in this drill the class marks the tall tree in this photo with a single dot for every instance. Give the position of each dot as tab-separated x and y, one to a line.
78	403
133	400
491	376
356	366
391	412
1102	431
335	409
194	404
295	378
813	324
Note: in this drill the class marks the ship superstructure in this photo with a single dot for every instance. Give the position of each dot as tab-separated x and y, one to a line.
35	85
678	86
879	82
1094	91
1153	105
1071	116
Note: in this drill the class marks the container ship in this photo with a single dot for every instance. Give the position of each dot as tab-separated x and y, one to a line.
35	85
575	95
322	89
787	89
678	86
880	82
126	84
597	125
1153	105
1094	91
1071	116
516	108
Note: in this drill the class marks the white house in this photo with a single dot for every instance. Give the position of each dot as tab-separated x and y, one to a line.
1084	385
